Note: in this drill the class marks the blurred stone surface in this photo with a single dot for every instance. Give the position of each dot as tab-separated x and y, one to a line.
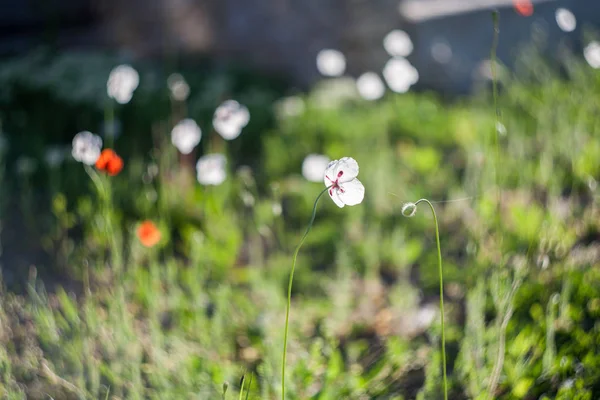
451	37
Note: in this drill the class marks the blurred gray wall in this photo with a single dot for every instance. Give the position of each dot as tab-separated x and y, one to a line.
286	35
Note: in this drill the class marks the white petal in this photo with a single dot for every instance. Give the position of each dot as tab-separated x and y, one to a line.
330	172
348	167
333	193
352	193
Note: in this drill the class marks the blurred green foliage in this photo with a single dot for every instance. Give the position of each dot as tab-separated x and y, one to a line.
101	316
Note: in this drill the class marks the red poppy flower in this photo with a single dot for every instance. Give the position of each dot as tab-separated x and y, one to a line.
523	7
110	162
148	234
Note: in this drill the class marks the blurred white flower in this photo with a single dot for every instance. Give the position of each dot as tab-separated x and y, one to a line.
290	106
344	187
398	44
500	128
332	93
178	87
210	169
313	167
370	86
122	82
483	71
331	62
186	135
86	147
592	54
25	165
230	118
277	210
441	52
54	156
248	198
153	170
400	75
566	20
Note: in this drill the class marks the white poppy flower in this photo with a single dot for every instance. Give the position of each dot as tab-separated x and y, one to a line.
178	87
86	147
340	178
230	118
313	167
331	62
370	86
397	43
210	169
186	135
400	75
122	81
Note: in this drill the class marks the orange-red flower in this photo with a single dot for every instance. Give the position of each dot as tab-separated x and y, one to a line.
523	7
148	234
110	162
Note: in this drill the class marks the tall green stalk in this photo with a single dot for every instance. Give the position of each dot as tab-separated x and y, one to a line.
104	192
409	210
289	293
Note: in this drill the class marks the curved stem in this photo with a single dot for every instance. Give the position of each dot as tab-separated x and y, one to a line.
289	293
441	273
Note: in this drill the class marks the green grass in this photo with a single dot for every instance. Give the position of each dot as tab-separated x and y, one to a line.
207	305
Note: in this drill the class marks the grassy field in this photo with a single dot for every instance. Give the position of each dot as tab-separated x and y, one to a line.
89	312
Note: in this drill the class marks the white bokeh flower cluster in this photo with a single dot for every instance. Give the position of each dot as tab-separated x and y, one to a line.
398	44
230	118
591	53
331	62
400	75
122	82
86	147
186	135
565	20
370	86
210	169
289	106
178	87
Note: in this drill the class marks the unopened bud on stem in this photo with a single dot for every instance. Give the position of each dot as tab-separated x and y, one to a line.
409	210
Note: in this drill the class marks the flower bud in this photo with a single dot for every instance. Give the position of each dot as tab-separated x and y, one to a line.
409	210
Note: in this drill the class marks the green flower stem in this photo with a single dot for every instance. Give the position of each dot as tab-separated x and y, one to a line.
289	293
441	273
105	194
